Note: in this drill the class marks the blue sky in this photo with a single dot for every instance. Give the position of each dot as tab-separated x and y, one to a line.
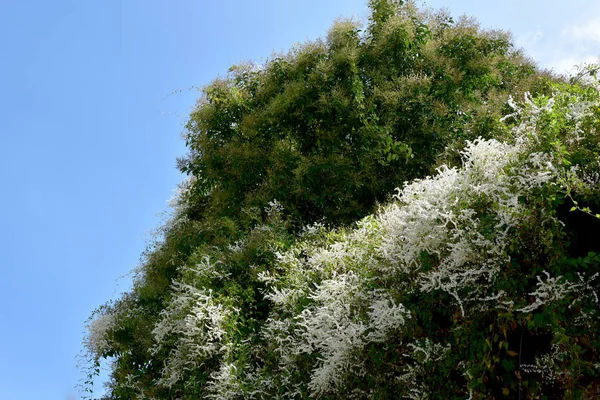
94	95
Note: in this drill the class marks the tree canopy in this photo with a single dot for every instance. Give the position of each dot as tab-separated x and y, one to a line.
335	124
402	209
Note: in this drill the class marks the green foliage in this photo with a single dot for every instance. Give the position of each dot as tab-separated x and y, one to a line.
284	159
334	125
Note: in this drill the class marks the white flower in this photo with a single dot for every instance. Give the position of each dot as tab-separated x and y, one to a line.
196	322
97	341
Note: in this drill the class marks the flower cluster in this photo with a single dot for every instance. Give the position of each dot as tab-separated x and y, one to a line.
97	341
194	321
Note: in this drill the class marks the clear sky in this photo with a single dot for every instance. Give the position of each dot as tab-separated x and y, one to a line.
93	97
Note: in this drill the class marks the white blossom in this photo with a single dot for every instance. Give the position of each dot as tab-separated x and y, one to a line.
553	289
223	384
196	321
545	365
96	340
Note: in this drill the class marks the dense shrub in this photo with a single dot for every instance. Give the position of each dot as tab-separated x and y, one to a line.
279	276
